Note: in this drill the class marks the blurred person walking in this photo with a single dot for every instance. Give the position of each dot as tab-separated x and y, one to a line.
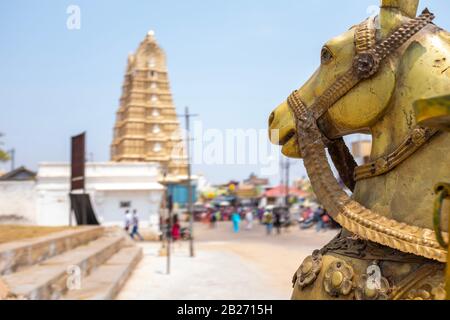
249	219
277	222
319	219
213	219
135	226
218	215
236	219
268	221
176	230
127	223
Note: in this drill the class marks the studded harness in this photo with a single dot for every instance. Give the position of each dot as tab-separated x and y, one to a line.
312	142
366	64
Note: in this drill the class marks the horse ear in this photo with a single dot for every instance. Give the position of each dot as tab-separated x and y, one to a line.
394	12
407	7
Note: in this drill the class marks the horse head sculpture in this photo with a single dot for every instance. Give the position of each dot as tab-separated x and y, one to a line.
367	82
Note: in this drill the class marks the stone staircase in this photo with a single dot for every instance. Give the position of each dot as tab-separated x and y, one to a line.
44	268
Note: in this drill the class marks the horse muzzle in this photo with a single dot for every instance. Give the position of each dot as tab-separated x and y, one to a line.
283	132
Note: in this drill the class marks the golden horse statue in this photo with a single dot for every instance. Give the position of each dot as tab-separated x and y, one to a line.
368	81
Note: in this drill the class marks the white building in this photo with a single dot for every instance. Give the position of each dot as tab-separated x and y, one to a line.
113	187
18	197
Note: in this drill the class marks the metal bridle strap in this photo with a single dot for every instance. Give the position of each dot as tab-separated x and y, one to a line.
413	142
350	214
367	63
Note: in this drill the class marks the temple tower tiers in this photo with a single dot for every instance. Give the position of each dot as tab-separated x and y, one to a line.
147	128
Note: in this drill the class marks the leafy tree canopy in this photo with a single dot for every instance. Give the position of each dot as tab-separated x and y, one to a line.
4	156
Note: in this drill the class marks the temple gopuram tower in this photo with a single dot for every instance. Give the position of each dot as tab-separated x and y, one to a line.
147	128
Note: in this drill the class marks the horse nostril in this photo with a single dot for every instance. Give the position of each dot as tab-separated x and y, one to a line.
271	118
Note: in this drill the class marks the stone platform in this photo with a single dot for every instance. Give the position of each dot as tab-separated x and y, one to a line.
88	263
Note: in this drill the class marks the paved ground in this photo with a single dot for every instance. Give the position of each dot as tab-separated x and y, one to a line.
244	266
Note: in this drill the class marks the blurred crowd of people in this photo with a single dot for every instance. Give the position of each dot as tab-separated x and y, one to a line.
274	218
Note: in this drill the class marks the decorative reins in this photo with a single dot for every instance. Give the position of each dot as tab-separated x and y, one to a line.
365	42
367	62
413	142
348	213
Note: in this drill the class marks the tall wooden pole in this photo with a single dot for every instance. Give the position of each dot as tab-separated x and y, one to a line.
189	182
167	209
281	179
169	235
288	167
187	117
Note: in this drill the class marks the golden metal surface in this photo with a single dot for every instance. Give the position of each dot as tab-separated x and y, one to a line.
307	267
382	106
387	113
443	192
417	139
336	279
434	112
350	214
395	12
408	7
308	271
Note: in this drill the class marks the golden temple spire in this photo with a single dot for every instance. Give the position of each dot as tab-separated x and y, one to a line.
147	127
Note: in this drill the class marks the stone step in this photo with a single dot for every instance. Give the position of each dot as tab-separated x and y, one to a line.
48	279
17	255
105	282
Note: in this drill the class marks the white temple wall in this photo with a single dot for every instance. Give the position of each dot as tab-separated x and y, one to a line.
110	209
52	208
113	187
18	200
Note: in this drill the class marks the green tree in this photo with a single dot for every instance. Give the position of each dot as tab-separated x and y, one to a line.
4	156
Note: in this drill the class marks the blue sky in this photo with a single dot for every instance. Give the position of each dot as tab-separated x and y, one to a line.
231	61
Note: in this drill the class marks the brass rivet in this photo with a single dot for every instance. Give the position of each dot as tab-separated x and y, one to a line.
370	293
336	279
381	164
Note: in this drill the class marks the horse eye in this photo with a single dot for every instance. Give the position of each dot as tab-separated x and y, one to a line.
326	55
